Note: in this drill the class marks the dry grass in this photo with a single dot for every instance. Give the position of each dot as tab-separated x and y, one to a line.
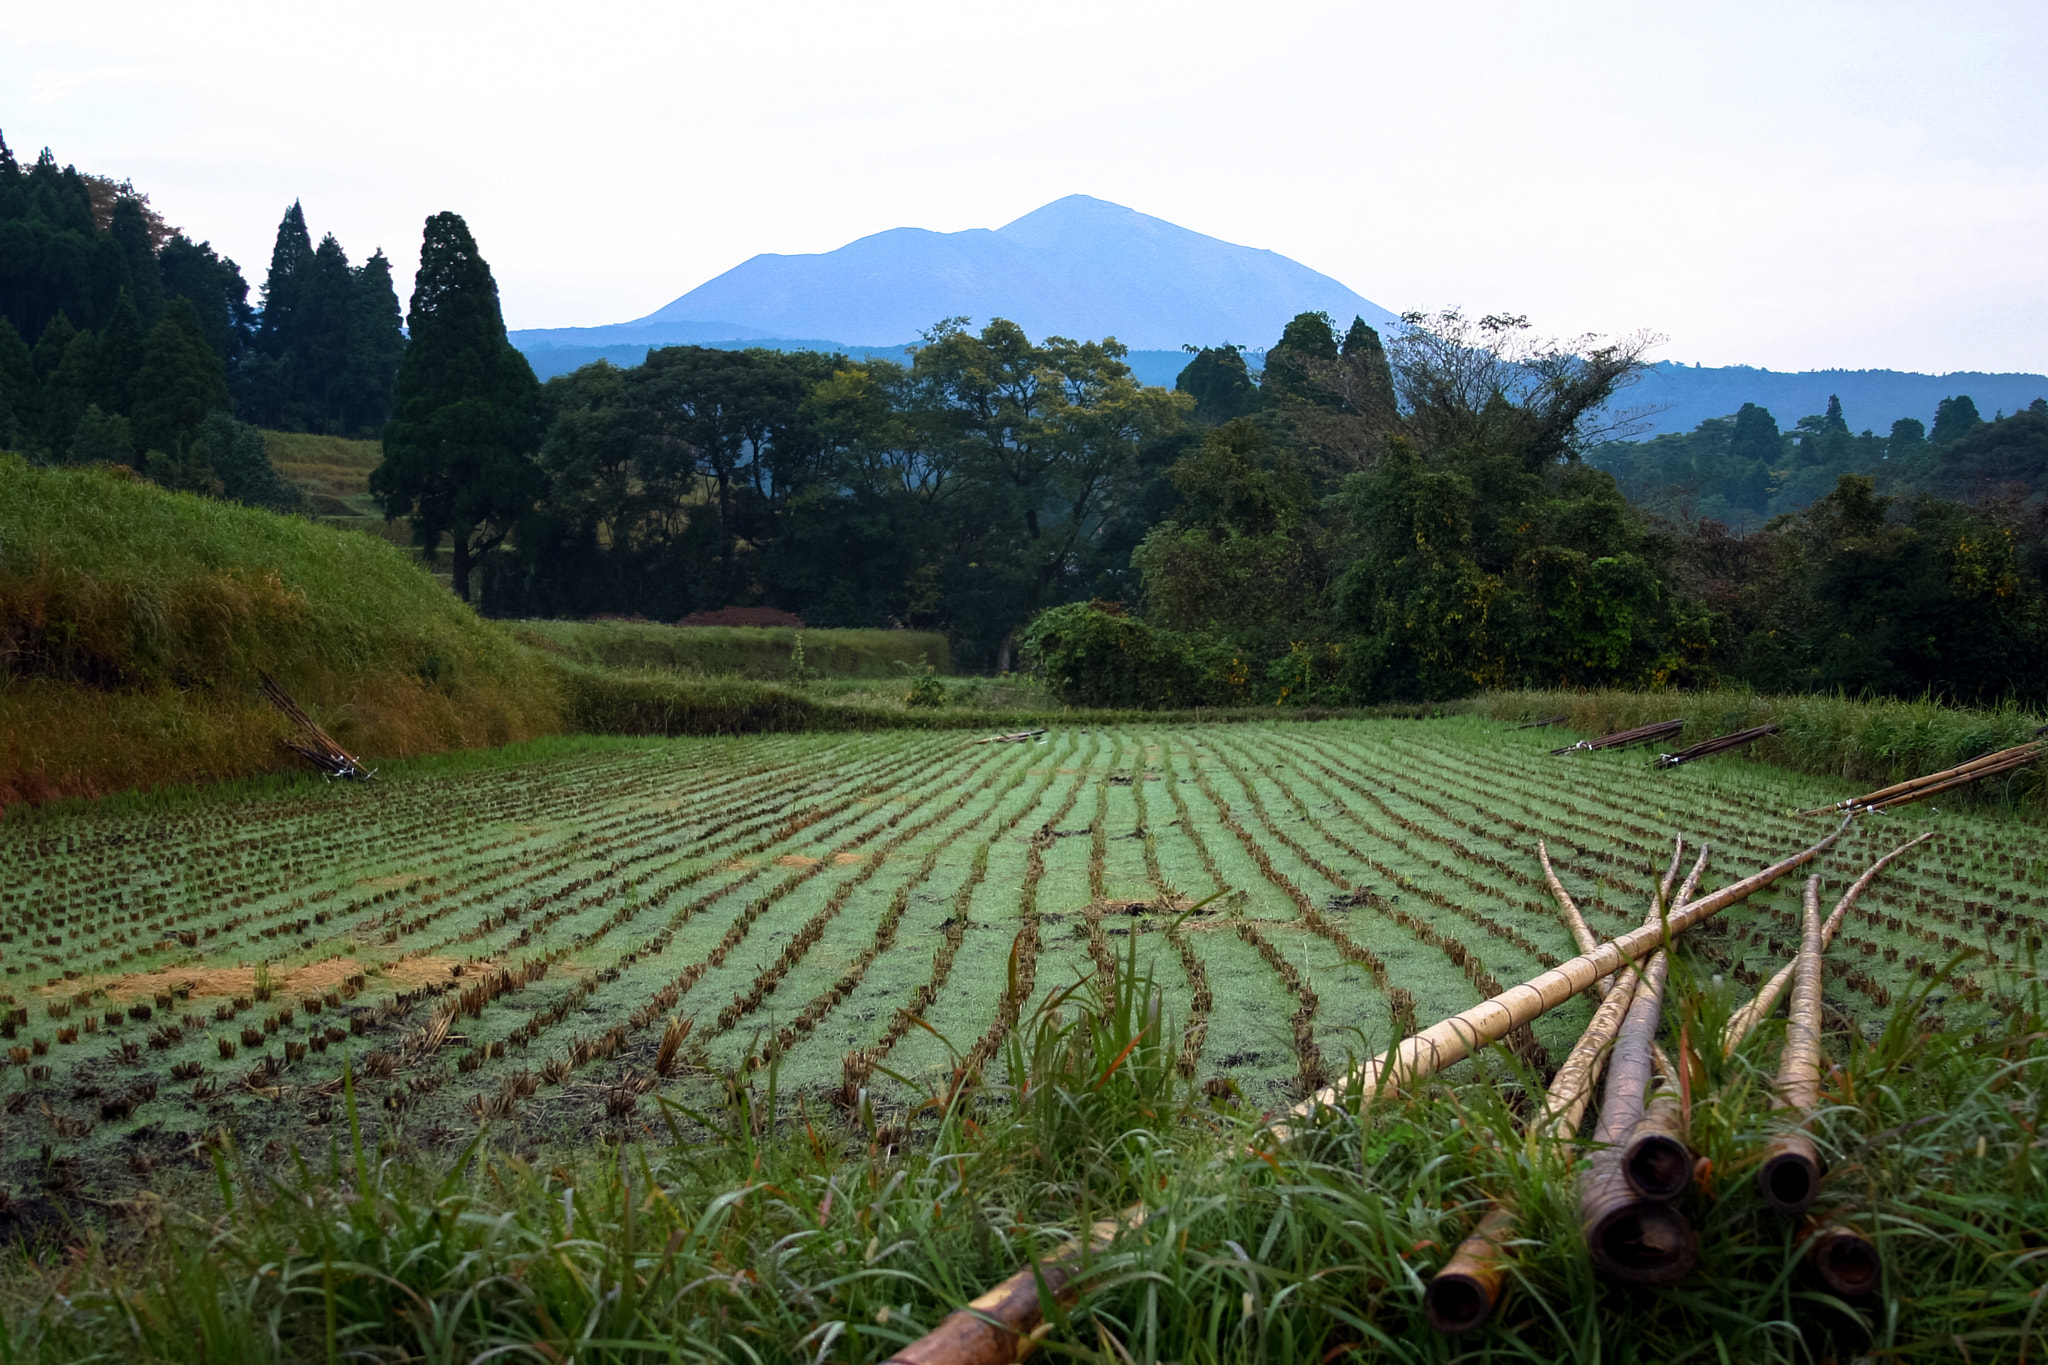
229	982
324	464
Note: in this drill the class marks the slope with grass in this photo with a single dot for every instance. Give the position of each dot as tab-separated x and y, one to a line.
133	622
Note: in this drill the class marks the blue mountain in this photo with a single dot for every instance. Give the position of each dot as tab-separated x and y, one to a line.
1079	267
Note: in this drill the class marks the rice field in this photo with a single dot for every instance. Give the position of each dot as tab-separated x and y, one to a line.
553	947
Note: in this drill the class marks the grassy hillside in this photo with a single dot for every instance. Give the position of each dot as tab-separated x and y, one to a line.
133	622
743	651
334	473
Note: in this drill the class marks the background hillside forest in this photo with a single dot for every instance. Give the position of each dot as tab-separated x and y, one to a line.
1410	517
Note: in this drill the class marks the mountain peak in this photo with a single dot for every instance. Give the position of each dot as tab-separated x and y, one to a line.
1079	267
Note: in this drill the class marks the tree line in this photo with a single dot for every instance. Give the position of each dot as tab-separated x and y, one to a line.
1743	470
124	341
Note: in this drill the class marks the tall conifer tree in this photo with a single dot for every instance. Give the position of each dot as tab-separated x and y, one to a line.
376	343
120	359
180	382
142	277
288	258
465	423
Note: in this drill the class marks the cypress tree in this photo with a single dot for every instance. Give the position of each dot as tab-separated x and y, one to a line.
129	228
101	438
239	459
465	421
50	346
69	392
1220	385
1834	421
120	359
376	343
218	292
1308	339
1371	378
319	351
17	370
288	258
180	382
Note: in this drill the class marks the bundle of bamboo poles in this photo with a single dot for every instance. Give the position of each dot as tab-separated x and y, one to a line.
1622	739
1933	784
314	744
1016	737
1718	744
1463	1294
1543	724
1005	1324
1789	1178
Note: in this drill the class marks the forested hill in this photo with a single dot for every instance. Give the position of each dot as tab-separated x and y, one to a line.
1078	267
1687	395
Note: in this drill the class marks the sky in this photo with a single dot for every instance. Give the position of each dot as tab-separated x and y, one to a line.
1792	185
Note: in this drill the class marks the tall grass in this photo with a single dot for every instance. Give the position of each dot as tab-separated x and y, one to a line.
1877	740
747	652
787	1228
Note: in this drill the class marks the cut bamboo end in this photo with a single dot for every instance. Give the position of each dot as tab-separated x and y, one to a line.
1789	1179
1844	1259
1465	1292
1642	1241
1657	1163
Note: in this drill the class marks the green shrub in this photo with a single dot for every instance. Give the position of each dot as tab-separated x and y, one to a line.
1093	654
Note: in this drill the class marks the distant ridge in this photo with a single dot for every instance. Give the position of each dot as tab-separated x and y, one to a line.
1078	267
1871	399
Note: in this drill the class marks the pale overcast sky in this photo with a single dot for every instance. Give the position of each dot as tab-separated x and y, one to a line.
1798	185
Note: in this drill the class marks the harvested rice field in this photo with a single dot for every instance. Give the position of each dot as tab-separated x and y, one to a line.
555	947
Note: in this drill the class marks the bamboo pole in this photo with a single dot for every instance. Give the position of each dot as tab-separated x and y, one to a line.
1657	1160
1706	748
1622	739
1756	1011
1463	1295
1790	1175
1005	1324
1644	1241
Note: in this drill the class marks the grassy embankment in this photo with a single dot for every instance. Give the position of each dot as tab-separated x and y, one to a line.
133	622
